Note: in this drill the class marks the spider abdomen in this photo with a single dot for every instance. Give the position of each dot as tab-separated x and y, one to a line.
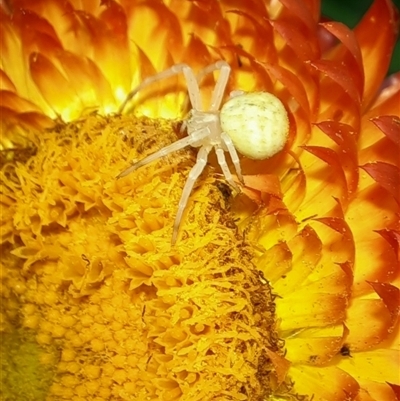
257	123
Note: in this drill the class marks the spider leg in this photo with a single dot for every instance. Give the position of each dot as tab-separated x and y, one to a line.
234	156
220	86
193	87
193	175
225	169
180	144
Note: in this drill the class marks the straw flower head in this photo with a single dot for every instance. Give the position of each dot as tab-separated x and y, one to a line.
285	290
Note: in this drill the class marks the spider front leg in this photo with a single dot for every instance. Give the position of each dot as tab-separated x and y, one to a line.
195	172
219	89
193	87
180	144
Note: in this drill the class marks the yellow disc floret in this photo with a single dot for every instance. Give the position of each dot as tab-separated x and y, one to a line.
92	274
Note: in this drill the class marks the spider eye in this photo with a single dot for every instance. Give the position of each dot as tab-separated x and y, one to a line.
257	123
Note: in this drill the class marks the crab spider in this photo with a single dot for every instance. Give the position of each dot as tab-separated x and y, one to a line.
255	124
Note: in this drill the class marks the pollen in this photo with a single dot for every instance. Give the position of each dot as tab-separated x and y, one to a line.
99	281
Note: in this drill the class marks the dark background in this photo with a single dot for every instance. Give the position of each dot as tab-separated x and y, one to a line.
350	12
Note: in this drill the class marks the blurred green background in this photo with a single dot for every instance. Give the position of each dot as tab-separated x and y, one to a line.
350	12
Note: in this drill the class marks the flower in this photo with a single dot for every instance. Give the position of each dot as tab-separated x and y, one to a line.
287	291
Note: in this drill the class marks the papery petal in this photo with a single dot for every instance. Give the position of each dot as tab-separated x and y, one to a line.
379	323
373	391
384	104
37	34
267	183
18	104
393	239
276	262
344	248
326	384
304	14
347	37
29	119
386	175
375	256
390	126
322	308
376	35
43	71
396	390
339	75
303	260
294	185
281	365
14	64
5	82
302	48
373	369
390	296
344	136
105	47
293	84
81	73
259	38
315	346
331	157
322	189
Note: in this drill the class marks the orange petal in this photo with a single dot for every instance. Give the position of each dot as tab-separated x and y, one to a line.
379	323
296	39
372	391
6	83
376	35
373	367
87	81
324	383
266	183
53	85
275	262
16	103
37	34
30	119
302	13
114	17
340	75
281	365
396	390
393	239
390	296
343	250
331	157
315	346
105	48
261	42
293	84
376	259
305	249
390	126
386	175
294	184
384	103
305	309
345	136
165	36
349	55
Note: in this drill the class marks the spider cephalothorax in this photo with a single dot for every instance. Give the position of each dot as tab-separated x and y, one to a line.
255	124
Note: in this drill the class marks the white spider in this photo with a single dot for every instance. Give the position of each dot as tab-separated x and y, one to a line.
256	124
